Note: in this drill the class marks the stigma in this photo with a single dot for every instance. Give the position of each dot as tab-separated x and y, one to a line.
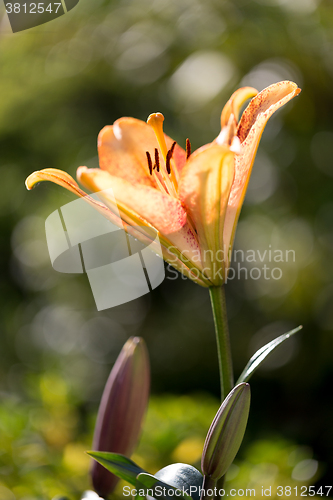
155	120
164	170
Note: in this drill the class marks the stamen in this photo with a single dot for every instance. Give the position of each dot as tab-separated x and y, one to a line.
169	156
167	162
188	149
157	160
173	147
150	163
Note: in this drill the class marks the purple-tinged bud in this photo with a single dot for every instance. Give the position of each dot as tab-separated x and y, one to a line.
121	411
226	433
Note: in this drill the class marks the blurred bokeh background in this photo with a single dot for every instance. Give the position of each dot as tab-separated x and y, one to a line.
60	83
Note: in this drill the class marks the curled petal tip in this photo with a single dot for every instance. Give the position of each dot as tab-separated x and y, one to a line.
54	175
51	174
79	172
295	90
32	180
235	103
263	105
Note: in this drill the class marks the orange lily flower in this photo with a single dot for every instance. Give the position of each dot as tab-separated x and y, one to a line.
192	201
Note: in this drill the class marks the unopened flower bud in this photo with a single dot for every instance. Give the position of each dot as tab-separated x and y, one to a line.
121	411
226	433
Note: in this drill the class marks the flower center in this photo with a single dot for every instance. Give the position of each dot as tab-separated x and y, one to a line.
165	175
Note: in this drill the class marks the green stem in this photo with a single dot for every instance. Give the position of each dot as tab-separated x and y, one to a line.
220	486
217	297
208	488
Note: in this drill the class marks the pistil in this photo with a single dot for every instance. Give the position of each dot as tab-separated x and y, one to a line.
155	120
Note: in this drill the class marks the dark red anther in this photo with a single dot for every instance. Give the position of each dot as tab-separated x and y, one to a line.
169	156
188	149
150	163
157	160
167	161
172	148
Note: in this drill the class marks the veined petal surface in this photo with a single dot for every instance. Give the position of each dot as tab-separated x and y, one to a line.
122	150
250	129
204	189
162	211
144	205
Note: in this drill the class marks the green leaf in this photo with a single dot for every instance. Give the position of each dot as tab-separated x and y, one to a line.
119	465
262	354
139	488
151	483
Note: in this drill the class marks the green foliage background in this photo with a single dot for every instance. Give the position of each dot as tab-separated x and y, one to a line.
59	85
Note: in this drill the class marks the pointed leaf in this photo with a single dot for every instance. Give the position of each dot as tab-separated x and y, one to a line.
153	484
262	354
119	465
139	488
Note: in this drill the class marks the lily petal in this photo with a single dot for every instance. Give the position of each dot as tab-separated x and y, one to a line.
122	150
144	206
170	250
250	129
65	180
160	210
54	175
204	189
187	268
235	103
